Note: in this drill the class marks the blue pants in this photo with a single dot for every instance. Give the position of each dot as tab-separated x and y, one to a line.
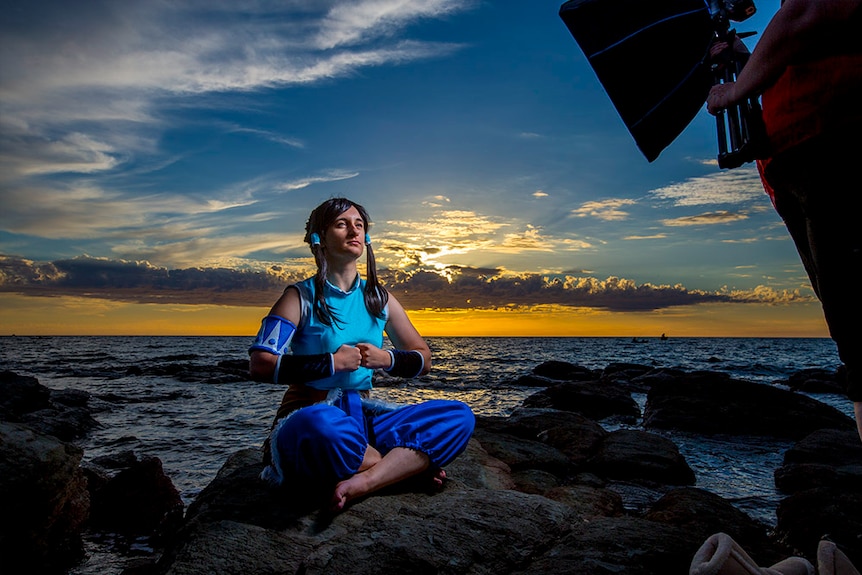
327	442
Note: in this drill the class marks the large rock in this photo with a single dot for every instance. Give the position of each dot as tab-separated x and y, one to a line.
709	403
822	477
61	413
595	400
477	524
20	394
237	525
139	500
639	456
565	371
44	501
574	435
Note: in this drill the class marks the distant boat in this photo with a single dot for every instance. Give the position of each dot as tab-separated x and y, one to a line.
663	337
636	340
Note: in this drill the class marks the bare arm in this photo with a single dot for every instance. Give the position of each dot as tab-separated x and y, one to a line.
261	364
403	335
796	27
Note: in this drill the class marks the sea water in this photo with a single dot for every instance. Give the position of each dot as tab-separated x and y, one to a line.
193	427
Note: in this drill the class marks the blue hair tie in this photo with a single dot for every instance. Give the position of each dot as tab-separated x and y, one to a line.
315	240
367	240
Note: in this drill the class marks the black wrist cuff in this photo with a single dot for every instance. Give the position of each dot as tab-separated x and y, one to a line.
303	368
409	363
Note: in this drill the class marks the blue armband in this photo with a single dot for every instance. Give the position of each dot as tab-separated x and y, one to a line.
406	363
274	335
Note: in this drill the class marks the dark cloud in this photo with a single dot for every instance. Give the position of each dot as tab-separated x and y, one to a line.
450	288
473	288
141	282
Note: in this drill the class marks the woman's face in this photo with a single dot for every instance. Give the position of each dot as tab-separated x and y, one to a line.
346	236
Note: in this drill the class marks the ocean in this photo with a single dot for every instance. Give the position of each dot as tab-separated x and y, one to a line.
194	426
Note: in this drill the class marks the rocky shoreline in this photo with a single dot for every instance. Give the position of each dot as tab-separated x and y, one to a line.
544	490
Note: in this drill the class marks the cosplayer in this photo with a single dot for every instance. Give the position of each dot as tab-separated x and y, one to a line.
323	339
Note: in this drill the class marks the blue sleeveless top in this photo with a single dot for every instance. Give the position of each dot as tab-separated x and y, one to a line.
354	325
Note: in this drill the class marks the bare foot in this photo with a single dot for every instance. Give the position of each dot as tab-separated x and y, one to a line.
347	490
438	478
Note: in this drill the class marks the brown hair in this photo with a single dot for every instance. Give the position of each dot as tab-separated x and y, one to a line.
321	218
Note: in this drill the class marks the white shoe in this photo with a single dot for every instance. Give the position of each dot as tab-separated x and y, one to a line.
833	561
721	555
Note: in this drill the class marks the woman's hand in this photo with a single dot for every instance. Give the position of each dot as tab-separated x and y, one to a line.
347	358
373	357
720	97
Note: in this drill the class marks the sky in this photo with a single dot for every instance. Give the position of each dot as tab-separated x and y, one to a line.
159	159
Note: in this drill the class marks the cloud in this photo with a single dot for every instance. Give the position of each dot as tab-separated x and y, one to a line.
735	186
708	218
650	237
605	210
86	210
349	24
436	240
528	240
89	90
94	92
272	137
141	282
455	287
332	176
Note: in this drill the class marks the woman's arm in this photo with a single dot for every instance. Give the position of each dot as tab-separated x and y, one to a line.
261	365
404	336
797	27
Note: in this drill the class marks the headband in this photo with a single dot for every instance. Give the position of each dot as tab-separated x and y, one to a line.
315	239
367	240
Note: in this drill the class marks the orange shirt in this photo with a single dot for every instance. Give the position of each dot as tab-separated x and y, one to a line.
813	98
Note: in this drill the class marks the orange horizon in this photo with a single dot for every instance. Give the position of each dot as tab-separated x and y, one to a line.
75	316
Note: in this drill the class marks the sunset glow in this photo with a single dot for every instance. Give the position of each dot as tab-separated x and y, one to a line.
157	182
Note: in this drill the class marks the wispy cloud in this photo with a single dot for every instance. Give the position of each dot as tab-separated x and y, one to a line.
605	210
735	186
301	183
357	22
705	219
86	89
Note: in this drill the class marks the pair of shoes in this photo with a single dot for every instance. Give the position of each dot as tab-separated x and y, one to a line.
721	555
833	561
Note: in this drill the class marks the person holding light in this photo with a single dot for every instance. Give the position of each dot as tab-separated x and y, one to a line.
808	68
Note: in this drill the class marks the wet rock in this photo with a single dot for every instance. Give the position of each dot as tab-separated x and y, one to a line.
576	436
709	403
639	456
140	499
624	371
596	401
43	494
520	454
822	477
64	414
20	394
587	500
565	371
532	380
818	381
705	513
